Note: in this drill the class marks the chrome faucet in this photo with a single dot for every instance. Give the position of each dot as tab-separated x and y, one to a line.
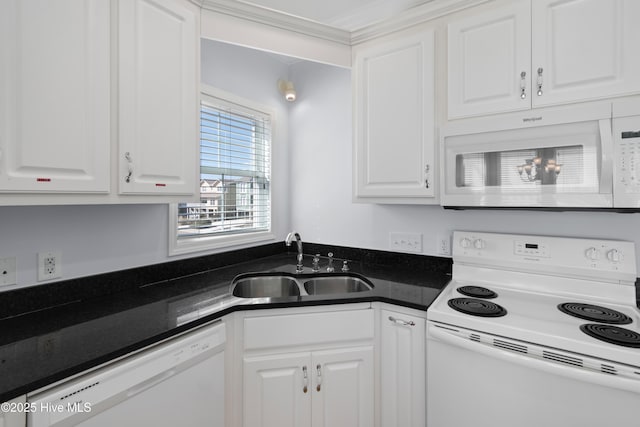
288	240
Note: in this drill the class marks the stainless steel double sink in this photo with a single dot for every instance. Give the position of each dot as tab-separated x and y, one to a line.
277	285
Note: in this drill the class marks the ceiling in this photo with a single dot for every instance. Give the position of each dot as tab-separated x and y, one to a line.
348	15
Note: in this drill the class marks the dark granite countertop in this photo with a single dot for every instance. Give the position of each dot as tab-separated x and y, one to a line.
48	345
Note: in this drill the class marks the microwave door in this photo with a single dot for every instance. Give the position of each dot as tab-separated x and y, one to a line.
553	166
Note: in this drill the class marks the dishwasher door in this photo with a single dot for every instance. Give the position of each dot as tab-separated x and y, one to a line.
176	383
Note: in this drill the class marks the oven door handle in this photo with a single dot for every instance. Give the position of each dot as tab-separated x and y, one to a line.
603	379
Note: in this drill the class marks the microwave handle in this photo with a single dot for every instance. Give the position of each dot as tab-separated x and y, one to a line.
606	167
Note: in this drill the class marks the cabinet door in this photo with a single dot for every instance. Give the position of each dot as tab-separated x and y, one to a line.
54	96
585	49
158	44
488	53
402	370
394	119
274	391
343	388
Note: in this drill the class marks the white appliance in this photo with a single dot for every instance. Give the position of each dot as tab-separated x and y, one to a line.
177	383
535	331
584	156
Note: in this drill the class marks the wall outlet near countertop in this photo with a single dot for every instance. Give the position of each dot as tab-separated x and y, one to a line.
405	242
8	271
444	244
49	265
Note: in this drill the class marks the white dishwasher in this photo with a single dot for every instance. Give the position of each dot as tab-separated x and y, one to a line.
176	383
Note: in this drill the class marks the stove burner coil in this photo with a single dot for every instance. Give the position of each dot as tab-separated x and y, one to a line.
476	307
594	313
612	334
477	292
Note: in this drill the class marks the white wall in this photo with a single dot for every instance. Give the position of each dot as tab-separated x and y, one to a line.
98	239
320	132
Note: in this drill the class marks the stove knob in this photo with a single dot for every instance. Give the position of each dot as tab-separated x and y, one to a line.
465	242
614	255
479	244
593	254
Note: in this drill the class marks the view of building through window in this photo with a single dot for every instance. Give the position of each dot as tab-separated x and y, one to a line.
234	173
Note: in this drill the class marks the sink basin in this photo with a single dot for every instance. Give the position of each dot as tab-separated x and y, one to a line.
279	285
265	287
335	285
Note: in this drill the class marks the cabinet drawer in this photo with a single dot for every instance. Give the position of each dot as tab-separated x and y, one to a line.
307	329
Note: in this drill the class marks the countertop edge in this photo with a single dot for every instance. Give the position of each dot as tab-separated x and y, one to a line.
130	350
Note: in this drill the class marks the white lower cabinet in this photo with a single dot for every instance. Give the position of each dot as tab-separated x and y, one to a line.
276	392
342	387
402	367
15	415
296	383
324	388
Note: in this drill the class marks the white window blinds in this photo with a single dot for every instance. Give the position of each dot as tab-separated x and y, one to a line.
235	172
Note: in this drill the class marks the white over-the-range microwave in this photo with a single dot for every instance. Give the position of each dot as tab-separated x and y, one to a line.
569	157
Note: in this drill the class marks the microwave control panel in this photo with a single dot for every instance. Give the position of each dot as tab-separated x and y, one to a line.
626	156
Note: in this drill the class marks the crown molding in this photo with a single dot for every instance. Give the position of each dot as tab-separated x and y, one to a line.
265	16
414	16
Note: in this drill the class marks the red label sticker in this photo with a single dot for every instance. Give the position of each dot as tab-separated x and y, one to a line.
43	179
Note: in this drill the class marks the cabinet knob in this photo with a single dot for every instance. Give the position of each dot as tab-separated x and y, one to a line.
305	379
402	322
540	70
127	156
319	378
523	85
427	168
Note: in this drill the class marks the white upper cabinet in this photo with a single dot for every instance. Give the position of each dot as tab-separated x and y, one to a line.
158	89
585	49
394	120
54	96
525	54
488	53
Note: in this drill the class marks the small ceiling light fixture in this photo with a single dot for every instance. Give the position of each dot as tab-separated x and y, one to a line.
286	88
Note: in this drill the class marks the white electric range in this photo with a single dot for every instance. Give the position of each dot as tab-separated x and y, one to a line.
535	330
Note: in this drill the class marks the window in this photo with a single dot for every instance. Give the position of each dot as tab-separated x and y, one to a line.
235	177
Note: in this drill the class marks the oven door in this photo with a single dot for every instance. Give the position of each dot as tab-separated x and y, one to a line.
553	165
476	379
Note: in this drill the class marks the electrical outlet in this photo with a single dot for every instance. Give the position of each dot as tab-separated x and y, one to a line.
406	242
444	244
49	265
8	271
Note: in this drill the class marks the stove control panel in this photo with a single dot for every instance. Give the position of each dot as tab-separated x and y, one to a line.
579	257
530	248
